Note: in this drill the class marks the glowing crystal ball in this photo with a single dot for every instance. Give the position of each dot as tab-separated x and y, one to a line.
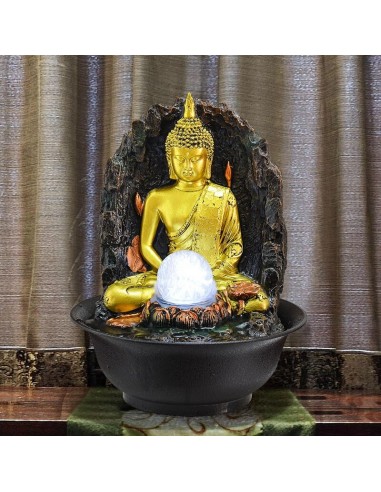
185	279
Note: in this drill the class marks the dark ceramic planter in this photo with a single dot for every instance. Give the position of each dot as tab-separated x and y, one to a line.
188	378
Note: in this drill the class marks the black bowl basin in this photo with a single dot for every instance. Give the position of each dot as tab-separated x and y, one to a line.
188	378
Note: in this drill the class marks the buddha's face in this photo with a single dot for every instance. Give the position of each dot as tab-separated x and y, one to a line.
189	165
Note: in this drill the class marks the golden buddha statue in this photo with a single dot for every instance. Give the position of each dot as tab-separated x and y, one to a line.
198	215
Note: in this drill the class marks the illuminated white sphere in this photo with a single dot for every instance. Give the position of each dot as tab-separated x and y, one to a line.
185	279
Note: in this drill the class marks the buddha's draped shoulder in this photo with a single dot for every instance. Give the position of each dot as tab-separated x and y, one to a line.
212	229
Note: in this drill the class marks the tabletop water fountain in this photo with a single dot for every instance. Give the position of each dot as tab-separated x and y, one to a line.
193	256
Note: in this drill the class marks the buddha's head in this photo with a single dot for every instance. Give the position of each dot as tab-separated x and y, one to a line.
189	147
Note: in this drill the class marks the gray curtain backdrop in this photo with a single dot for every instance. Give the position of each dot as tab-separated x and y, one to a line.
61	117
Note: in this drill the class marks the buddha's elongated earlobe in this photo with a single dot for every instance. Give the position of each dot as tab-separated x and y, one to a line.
208	169
172	174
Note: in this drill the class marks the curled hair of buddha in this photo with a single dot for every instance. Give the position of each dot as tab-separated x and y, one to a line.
189	133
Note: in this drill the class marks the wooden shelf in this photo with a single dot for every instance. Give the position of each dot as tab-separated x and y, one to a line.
44	411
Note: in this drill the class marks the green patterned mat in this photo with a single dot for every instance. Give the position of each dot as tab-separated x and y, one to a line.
272	412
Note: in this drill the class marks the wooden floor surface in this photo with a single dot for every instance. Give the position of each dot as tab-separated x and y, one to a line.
37	411
44	411
336	413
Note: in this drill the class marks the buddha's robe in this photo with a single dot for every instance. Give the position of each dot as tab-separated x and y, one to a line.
212	229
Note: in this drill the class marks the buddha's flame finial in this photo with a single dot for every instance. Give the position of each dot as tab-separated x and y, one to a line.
189	111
